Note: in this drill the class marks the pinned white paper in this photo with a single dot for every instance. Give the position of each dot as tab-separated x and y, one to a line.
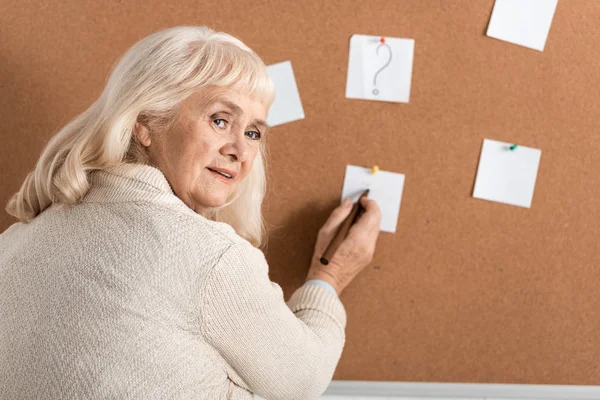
505	175
384	187
522	22
380	68
287	106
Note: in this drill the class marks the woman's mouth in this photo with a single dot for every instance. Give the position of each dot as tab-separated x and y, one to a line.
222	174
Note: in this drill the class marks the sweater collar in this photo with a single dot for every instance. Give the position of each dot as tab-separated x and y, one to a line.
129	182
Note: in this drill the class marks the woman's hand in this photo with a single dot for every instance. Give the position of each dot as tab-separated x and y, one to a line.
354	253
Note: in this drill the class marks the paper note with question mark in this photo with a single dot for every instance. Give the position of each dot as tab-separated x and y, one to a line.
380	68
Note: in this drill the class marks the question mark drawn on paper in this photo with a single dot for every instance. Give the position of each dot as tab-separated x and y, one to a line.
382	44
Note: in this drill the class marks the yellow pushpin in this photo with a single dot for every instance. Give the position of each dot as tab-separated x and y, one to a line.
374	169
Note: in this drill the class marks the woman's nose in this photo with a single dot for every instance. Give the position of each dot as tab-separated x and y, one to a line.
237	148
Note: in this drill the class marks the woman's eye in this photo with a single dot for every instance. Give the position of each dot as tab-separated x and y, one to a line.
220	123
254	135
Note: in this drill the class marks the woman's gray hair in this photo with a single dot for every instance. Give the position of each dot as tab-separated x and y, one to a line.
148	85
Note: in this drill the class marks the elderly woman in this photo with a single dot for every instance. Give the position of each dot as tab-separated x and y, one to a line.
135	270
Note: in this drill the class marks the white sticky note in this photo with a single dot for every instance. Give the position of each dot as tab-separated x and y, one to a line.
384	187
505	175
522	22
380	71
287	106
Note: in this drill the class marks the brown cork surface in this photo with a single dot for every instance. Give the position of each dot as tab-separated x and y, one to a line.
466	290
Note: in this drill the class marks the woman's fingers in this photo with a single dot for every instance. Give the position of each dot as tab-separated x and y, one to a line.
355	251
370	219
331	226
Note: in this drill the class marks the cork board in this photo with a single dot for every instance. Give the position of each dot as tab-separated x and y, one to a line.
466	290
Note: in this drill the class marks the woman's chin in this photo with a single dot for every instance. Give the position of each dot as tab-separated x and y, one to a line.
205	202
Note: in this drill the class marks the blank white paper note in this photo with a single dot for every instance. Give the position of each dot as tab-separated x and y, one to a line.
522	22
380	68
287	106
385	188
505	175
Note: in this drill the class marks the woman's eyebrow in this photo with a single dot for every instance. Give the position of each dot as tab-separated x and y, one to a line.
234	107
238	110
261	123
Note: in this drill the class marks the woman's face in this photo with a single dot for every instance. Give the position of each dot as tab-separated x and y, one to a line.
210	147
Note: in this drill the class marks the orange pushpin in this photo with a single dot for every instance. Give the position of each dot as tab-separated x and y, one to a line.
382	40
374	169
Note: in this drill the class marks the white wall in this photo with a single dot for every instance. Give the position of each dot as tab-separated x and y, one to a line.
357	390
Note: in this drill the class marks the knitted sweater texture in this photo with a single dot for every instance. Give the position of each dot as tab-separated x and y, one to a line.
131	295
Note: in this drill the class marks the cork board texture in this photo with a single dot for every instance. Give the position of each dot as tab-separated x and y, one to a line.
466	290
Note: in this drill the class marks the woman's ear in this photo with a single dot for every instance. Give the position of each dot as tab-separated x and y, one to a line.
142	133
